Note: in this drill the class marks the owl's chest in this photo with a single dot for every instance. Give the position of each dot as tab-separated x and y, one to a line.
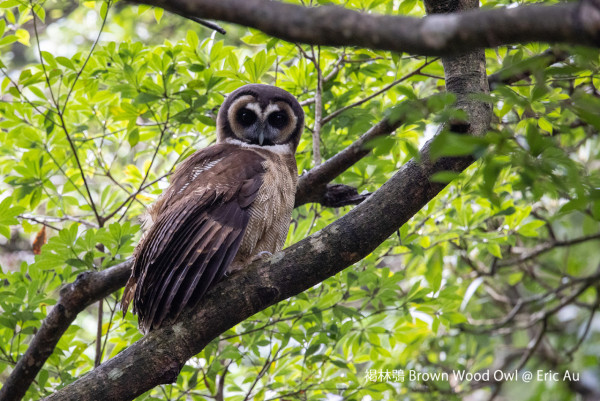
271	211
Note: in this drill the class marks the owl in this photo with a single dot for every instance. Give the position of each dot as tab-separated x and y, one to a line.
226	205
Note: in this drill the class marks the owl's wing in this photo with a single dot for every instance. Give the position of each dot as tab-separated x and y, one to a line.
198	227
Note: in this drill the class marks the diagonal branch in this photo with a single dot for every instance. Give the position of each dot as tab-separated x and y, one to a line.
546	247
435	35
312	186
389	86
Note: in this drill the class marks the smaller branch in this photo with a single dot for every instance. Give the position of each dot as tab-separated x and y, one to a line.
85	183
316	134
60	113
26	99
42	222
260	374
136	193
332	74
98	358
534	345
208	24
564	302
109	4
39	49
512	74
379	92
312	185
145	175
63	172
341	61
45	219
110	323
586	330
307	101
543	248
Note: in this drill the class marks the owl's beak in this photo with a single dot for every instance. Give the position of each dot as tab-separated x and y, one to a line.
261	137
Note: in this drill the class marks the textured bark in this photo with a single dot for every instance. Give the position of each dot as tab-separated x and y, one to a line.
576	23
465	73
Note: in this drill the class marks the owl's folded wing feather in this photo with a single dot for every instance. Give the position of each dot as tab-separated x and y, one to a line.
197	230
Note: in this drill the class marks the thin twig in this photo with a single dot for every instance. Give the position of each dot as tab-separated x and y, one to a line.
379	92
316	135
45	219
531	349
543	248
108	5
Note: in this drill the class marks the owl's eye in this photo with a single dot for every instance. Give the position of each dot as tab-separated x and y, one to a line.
246	117
278	119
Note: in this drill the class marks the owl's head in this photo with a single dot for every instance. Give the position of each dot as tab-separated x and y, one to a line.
261	115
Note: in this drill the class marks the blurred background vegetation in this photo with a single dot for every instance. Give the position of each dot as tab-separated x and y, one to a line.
99	102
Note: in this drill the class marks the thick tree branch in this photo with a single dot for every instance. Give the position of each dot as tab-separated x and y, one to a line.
576	23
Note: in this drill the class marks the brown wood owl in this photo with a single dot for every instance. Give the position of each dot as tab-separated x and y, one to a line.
225	205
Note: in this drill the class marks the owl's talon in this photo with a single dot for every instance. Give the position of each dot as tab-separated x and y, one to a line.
261	256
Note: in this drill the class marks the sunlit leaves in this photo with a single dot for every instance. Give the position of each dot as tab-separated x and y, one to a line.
8	215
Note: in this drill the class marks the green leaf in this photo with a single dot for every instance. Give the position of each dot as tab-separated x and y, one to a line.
545	125
144	98
494	249
192	40
8	215
104	9
530	229
444	177
134	137
451	144
158	13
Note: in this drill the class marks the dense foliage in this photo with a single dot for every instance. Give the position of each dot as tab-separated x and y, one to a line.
501	271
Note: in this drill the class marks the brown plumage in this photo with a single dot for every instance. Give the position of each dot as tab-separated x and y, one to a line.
226	204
